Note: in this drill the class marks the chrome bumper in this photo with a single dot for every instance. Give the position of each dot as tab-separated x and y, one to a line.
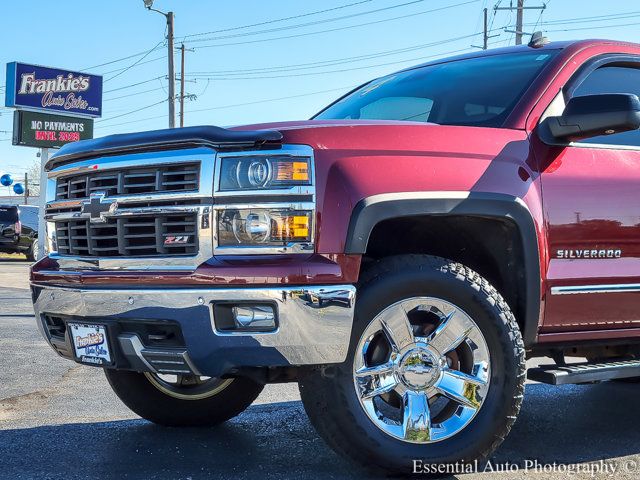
314	323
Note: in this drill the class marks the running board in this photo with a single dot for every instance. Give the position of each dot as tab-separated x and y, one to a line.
584	372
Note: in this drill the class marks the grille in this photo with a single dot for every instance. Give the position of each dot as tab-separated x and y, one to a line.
161	178
168	234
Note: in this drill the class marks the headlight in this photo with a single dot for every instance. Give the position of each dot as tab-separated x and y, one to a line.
263	227
264	172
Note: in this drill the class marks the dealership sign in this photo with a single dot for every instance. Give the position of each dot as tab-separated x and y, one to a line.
32	87
43	130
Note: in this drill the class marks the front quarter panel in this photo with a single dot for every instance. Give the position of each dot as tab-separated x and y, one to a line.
353	163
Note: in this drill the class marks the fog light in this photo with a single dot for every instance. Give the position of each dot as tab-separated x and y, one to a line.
231	317
252	317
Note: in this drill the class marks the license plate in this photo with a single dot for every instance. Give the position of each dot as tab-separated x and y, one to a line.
90	343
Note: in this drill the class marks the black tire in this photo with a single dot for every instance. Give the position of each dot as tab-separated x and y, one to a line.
140	395
32	253
329	395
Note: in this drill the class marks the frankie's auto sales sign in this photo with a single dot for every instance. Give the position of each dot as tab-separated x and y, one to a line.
32	87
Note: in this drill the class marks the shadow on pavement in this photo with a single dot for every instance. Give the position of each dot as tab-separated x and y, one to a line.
12	259
266	441
575	424
564	424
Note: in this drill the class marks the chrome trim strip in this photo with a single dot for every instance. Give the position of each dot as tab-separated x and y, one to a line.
314	322
604	146
580	289
125	199
128	212
147	159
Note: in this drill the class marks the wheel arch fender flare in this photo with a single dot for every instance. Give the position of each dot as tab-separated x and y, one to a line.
372	210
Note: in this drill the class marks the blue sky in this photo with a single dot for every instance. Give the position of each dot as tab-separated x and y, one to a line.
82	35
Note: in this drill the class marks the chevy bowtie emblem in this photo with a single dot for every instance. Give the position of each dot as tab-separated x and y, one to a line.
98	207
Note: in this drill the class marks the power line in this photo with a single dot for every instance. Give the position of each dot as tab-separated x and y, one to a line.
597	27
134	63
283	19
111	62
324	63
163	57
134	55
334	71
308	24
139	109
245	42
134	84
599	18
132	94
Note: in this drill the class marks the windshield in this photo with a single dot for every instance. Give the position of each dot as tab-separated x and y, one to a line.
477	91
8	214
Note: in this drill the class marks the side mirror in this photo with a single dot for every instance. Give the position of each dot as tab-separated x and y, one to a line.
591	116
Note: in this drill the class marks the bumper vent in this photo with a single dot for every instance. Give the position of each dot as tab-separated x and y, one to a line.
162	178
129	236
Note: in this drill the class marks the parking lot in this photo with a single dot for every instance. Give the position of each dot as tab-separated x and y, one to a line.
59	420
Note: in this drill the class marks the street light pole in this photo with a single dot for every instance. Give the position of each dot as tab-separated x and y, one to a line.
172	75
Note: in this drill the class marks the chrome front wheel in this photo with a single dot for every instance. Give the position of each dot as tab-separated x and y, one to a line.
422	370
435	369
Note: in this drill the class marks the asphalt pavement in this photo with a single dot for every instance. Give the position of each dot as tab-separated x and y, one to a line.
59	420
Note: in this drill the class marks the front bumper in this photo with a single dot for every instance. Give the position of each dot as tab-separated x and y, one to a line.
313	325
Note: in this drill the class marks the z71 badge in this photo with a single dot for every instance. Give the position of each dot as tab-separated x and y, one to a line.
178	240
580	254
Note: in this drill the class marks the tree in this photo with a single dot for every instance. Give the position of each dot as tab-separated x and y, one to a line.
33	173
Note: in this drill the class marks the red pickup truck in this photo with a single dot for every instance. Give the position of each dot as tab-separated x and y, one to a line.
399	256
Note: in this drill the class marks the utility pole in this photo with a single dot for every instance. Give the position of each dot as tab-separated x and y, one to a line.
26	188
172	74
485	36
519	16
182	86
520	8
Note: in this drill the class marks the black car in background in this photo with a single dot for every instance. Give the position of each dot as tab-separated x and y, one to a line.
19	230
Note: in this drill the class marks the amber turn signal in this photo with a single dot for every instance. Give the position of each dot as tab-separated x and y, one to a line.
293	171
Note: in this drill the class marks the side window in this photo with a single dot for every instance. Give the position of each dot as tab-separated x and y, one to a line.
612	79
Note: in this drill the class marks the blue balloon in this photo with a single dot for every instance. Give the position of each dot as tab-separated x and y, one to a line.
18	189
6	180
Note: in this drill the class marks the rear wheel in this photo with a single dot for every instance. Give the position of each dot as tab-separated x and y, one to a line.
183	400
435	370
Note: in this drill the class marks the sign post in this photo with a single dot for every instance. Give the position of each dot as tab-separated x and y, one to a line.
42	224
53	107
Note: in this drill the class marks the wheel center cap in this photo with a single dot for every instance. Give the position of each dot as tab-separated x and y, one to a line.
419	369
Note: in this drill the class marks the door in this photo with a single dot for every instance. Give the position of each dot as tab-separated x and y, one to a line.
591	200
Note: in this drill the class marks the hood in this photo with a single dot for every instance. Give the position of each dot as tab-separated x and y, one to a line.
377	137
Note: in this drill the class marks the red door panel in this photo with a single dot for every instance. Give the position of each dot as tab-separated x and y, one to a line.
591	199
